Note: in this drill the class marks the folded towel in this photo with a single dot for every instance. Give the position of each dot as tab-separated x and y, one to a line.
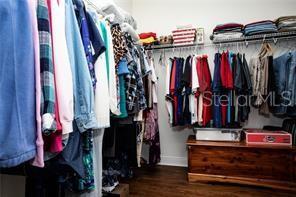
259	22
227	26
285	18
147	35
149	40
227	35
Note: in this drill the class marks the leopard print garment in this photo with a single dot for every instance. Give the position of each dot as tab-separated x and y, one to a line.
119	44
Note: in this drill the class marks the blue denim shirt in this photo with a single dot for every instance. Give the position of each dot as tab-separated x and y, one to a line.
217	86
84	30
285	81
82	84
17	84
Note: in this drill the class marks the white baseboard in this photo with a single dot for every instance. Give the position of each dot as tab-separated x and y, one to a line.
173	161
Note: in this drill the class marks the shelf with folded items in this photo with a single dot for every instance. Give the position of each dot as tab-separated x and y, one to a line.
260	37
168	46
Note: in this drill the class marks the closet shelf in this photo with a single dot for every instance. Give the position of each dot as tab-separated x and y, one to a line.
256	38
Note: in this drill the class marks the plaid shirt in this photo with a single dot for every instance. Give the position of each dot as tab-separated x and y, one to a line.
135	93
47	72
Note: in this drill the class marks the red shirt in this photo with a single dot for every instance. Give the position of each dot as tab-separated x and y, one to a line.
204	78
225	72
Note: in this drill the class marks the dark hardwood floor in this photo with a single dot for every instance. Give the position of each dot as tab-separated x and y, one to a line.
168	181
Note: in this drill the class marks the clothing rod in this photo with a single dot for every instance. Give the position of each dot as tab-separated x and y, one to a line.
274	39
92	5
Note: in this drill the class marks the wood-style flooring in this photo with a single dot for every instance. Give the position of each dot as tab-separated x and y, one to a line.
168	181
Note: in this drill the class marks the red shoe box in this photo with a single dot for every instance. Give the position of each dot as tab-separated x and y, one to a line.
265	137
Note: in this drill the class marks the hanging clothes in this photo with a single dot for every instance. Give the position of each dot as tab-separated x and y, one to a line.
169	104
47	69
54	142
243	89
67	49
217	92
18	100
62	67
231	102
205	91
227	85
186	90
85	35
111	72
259	72
151	135
39	158
102	107
194	88
221	102
284	68
82	68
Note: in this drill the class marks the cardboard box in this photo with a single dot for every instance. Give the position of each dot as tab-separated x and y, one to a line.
264	137
218	134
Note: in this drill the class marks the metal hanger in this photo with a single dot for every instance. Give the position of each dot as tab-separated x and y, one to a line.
275	40
173	52
247	43
237	47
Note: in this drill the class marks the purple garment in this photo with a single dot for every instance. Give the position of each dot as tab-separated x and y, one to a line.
82	21
151	135
151	122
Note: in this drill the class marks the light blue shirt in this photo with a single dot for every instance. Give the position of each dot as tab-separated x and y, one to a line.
84	114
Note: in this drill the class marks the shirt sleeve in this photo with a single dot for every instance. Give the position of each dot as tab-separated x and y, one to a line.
194	77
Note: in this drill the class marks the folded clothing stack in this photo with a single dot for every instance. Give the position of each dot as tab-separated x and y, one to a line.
286	23
166	40
184	36
148	38
227	31
260	27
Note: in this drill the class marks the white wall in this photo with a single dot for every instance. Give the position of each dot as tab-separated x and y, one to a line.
162	16
124	4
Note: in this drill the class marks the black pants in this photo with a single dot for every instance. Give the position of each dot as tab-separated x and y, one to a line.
42	182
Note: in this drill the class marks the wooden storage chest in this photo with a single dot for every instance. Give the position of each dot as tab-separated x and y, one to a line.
232	162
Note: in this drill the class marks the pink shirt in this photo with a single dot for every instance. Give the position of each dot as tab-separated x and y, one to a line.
62	68
38	160
53	143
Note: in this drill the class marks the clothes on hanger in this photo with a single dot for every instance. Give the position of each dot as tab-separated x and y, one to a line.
189	91
197	99
204	92
268	84
18	97
284	85
259	68
80	71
